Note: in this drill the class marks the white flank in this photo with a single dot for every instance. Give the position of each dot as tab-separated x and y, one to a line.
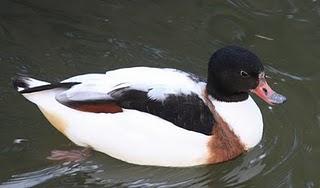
138	138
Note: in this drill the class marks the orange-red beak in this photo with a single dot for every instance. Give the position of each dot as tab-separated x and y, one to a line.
264	91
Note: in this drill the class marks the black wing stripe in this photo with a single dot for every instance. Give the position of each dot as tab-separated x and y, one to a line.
49	86
186	111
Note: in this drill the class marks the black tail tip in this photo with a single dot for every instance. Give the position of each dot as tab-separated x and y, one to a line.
19	82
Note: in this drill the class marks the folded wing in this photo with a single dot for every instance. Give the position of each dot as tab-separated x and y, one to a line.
187	111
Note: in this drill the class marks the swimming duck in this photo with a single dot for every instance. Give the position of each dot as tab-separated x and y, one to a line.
161	116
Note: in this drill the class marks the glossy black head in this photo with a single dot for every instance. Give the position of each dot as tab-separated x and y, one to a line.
233	72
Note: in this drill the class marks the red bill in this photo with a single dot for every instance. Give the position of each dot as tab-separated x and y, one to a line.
264	91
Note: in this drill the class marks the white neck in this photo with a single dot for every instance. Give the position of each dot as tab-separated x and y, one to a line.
244	118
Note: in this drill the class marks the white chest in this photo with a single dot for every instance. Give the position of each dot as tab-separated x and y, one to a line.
244	118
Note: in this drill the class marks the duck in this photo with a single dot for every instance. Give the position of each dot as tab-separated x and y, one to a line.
160	116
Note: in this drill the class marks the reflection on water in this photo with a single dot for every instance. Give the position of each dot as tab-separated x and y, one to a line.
53	40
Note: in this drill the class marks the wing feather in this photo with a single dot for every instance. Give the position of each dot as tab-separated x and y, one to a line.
170	94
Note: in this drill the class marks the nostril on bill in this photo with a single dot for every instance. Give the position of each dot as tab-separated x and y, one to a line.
265	91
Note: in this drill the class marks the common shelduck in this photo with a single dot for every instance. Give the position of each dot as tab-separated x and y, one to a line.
161	116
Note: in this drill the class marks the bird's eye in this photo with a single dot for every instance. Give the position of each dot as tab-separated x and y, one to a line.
244	74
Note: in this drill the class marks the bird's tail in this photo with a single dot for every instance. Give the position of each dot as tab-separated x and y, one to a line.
37	91
24	84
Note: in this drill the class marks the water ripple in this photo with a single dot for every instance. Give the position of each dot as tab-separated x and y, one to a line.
286	74
30	179
284	158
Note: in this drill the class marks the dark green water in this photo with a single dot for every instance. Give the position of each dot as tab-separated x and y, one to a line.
53	40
